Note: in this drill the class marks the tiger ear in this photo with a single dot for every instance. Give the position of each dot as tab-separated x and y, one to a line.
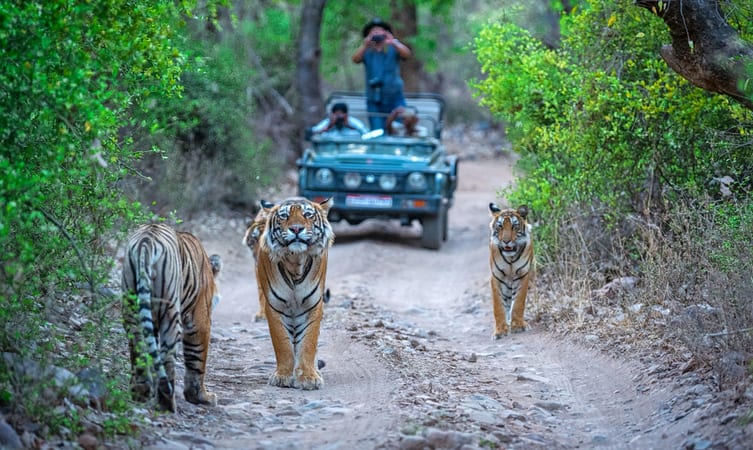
523	211
326	205
493	209
266	205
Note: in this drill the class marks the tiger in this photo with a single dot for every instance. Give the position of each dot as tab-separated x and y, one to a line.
291	270
254	229
169	289
510	261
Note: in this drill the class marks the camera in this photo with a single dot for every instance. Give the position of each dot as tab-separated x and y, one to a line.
378	38
340	122
375	90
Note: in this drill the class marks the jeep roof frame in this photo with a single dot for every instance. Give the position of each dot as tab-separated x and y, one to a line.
430	108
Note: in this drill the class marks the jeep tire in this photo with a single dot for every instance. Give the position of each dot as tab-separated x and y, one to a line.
445	224
433	230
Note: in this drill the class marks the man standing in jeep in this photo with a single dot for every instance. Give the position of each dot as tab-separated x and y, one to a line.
380	54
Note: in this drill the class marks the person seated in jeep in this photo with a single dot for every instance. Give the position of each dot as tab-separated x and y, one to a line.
339	123
403	121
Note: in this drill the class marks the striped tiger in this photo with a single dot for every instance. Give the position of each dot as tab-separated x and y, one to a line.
254	229
291	271
511	261
169	288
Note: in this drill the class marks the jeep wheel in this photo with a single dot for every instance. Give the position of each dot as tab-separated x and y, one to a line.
445	223
431	236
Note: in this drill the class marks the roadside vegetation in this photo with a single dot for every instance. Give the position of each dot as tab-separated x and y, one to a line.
116	113
640	185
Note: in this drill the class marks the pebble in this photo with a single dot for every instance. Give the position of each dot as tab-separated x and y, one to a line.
412	443
88	441
447	439
8	437
532	377
549	405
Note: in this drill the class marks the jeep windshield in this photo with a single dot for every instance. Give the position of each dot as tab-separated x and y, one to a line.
393	148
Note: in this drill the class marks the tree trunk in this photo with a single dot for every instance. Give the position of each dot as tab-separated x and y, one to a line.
404	19
705	49
308	57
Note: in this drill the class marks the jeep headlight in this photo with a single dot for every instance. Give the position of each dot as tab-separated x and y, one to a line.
387	181
324	177
352	180
416	181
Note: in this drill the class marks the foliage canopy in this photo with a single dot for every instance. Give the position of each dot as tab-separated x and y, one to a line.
602	123
74	73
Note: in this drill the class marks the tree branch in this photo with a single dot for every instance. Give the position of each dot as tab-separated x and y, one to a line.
705	49
67	235
728	333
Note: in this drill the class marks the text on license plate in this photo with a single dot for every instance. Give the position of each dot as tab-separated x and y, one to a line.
369	201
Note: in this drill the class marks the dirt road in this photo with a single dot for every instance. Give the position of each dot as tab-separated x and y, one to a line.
410	359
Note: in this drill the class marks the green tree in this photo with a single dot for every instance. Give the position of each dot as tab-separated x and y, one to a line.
601	121
706	48
630	170
73	73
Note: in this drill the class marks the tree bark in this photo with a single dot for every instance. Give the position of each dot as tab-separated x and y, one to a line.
308	58
404	19
705	49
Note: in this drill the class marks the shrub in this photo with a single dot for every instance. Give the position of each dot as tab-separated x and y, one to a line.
72	74
620	155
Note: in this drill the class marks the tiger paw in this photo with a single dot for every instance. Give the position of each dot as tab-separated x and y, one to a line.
260	317
281	381
309	383
496	336
200	397
519	327
500	332
166	396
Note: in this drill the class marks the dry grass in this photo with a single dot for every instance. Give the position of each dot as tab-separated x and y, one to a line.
682	290
190	184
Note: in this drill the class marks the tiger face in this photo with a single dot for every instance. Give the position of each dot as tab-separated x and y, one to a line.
298	225
510	261
291	272
509	229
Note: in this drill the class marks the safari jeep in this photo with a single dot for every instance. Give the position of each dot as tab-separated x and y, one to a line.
384	177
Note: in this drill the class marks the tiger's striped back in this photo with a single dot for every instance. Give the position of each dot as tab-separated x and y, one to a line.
291	272
168	284
510	261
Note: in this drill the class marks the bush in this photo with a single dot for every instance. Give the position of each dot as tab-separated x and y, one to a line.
617	152
73	73
602	122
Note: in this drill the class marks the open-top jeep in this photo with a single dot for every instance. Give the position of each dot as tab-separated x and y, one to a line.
382	176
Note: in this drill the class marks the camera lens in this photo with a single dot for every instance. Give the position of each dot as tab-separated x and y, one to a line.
377	38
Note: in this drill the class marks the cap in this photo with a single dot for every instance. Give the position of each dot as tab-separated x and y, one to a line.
342	107
376	22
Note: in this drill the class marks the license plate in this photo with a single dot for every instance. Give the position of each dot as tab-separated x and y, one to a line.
369	201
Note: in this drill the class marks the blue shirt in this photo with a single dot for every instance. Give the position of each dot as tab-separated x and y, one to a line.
384	66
